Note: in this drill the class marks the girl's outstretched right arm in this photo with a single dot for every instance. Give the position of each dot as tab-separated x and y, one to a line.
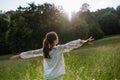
75	44
28	54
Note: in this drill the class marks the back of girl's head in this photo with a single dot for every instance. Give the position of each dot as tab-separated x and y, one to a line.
48	43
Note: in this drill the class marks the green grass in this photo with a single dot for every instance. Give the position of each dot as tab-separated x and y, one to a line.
100	61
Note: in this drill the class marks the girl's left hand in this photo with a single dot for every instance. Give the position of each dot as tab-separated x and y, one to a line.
15	57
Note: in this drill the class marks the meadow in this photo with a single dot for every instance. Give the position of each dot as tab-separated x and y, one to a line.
99	61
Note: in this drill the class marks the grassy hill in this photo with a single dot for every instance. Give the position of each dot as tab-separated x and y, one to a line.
100	61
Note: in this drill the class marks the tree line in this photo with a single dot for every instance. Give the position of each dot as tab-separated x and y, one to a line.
25	28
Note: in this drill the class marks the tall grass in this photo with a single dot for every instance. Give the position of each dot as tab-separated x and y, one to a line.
100	61
29	69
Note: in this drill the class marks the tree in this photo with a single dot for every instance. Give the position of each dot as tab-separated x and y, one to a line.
18	34
85	7
118	13
4	26
109	23
118	10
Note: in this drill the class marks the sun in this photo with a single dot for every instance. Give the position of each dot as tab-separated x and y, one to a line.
71	6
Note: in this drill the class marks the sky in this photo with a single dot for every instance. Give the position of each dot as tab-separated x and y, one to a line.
68	5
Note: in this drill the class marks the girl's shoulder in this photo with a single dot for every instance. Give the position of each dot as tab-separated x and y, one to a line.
55	47
58	46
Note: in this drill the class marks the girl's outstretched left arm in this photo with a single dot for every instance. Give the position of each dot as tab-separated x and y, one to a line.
15	57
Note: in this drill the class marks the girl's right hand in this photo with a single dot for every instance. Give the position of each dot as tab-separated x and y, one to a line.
15	57
90	40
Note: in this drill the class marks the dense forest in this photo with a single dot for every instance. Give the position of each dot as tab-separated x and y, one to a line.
25	28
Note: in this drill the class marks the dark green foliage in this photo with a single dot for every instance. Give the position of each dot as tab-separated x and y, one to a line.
87	25
118	10
109	23
4	27
108	20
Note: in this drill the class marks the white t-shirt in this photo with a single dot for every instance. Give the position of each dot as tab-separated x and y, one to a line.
54	66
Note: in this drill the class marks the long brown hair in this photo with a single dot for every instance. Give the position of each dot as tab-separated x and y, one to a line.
48	43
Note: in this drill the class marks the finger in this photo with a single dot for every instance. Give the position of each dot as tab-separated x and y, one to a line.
91	40
90	37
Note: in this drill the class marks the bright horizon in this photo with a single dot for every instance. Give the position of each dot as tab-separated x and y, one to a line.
68	6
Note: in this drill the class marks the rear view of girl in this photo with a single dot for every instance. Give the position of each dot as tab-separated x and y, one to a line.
54	65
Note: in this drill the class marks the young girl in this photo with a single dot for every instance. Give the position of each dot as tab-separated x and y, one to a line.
54	65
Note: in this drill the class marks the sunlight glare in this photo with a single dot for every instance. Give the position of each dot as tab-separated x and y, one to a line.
71	6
